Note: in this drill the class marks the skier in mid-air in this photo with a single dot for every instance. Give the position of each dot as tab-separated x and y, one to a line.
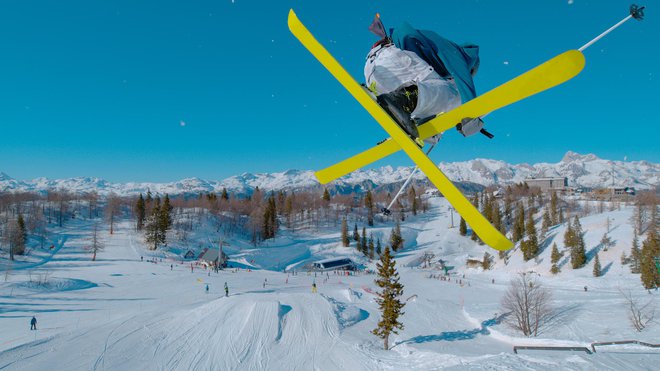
416	75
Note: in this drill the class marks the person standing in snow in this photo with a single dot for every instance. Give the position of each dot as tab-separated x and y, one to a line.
314	288
207	288
33	323
226	290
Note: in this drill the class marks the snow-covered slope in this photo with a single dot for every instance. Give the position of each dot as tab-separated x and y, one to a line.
121	313
581	170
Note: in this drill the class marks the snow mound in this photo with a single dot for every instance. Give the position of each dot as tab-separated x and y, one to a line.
55	285
347	314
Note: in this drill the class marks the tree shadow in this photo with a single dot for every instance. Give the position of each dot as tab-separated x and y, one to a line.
455	335
562	315
547	241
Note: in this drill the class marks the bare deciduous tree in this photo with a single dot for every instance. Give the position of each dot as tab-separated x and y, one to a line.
95	243
112	210
640	315
528	305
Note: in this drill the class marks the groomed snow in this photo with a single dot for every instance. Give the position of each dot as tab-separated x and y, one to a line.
119	313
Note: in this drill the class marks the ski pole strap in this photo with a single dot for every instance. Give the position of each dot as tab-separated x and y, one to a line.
486	133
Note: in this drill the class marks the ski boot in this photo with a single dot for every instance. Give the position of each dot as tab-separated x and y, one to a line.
398	104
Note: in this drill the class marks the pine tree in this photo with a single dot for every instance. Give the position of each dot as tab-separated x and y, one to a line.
395	238
153	226
413	200
561	215
635	256
650	251
365	246
508	207
345	241
140	212
554	209
487	207
475	202
578	250
288	213
530	247
379	249
554	269
224	195
270	218
389	298
462	227
356	235
371	246
596	270
519	223
496	214
165	220
267	229
166	209
547	222
554	254
326	195
273	215
21	236
369	204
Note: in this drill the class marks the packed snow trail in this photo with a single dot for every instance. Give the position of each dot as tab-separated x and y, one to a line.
121	313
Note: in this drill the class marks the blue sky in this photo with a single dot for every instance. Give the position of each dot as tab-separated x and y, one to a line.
162	90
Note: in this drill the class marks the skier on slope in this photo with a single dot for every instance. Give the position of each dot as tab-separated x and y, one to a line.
417	75
33	323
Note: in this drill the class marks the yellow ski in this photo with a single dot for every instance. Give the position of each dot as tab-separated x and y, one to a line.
479	224
547	75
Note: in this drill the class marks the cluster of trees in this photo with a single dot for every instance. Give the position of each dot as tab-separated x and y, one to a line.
15	236
574	242
261	216
26	218
369	247
155	218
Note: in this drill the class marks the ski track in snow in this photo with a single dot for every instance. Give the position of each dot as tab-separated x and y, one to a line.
140	315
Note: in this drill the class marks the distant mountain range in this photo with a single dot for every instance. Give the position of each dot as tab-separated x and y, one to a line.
581	171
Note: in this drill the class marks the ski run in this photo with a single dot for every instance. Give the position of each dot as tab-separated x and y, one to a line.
122	313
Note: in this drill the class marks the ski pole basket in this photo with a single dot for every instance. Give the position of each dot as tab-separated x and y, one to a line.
637	12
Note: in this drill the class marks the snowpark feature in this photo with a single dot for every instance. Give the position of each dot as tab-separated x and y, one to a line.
142	315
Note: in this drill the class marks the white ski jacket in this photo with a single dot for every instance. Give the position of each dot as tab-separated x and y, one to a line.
389	68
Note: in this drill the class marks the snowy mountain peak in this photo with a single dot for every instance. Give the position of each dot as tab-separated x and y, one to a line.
571	156
581	170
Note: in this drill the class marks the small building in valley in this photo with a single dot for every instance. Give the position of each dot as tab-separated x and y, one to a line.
212	257
334	264
548	184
